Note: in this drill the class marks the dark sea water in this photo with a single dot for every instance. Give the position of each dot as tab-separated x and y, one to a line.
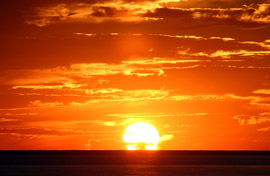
132	163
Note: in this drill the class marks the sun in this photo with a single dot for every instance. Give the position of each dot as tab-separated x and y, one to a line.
141	136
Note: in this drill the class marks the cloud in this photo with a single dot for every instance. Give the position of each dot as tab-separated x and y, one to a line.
126	119
64	85
181	126
37	131
126	96
108	90
166	137
158	61
117	10
9	120
225	39
90	80
135	11
253	100
246	48
228	54
139	116
105	123
265	44
118	122
166	126
262	91
20	114
193	97
248	67
34	76
46	16
192	37
98	69
265	114
264	129
137	67
258	14
142	115
195	114
94	144
85	34
225	54
44	130
156	95
75	76
81	82
38	103
252	120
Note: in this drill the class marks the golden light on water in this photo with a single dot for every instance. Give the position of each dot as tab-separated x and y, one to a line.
141	136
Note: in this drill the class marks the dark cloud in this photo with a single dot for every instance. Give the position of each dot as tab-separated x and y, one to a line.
259	14
103	12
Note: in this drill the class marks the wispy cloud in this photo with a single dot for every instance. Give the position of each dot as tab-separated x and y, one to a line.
127	96
158	61
264	129
155	115
118	10
257	14
65	78
64	85
124	11
252	120
166	126
193	97
253	100
103	91
20	114
94	143
228	54
9	120
262	91
105	123
39	131
132	67
38	103
142	115
166	137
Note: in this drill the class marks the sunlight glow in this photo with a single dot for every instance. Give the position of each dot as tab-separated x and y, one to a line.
141	136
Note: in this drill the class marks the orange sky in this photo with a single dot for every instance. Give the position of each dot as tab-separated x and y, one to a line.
75	73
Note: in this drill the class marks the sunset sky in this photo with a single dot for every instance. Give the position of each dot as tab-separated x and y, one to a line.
74	74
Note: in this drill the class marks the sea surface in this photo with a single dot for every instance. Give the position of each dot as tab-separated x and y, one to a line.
133	163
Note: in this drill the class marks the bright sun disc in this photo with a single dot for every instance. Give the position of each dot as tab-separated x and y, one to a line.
141	136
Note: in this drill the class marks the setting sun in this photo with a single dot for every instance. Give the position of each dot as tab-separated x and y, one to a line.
141	136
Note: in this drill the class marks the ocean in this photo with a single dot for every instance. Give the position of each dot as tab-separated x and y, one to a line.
133	163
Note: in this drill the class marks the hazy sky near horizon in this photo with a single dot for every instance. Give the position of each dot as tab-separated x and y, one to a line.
75	73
